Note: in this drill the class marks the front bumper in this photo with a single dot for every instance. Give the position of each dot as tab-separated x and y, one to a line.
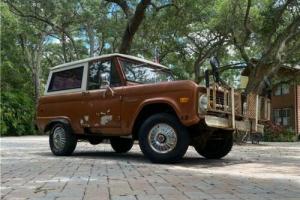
224	123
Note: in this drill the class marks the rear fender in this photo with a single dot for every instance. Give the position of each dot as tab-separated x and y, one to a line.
49	125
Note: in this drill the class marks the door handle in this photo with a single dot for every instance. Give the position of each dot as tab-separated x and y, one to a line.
108	88
84	93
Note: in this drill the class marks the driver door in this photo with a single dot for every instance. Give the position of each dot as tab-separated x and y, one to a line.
104	103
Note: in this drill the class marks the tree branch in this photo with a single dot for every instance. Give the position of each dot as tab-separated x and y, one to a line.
246	22
18	12
241	49
277	47
123	5
275	21
158	8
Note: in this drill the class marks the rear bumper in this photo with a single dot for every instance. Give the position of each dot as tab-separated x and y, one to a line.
224	123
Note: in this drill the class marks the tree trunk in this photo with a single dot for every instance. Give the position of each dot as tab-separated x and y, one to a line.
91	37
133	25
259	76
37	56
64	48
199	61
36	82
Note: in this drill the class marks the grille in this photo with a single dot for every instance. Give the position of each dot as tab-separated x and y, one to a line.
219	98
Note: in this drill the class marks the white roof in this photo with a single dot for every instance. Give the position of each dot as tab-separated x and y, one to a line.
107	56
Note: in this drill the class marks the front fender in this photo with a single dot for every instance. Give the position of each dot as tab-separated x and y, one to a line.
185	114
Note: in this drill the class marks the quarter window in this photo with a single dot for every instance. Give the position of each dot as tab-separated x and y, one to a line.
66	80
100	69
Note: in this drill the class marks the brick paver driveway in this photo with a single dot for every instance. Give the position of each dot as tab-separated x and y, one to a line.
30	171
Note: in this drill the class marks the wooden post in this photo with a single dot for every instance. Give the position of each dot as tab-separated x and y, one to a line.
214	96
225	100
208	98
256	113
232	108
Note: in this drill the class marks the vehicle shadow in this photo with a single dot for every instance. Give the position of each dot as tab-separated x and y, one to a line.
111	155
139	158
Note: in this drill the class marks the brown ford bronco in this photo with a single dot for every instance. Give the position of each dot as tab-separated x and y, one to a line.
124	98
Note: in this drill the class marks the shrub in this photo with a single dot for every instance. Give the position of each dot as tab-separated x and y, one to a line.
277	133
17	114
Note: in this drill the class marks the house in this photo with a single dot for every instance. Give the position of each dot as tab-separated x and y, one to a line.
285	98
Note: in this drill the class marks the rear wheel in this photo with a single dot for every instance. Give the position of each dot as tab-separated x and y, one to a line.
163	139
121	145
61	139
217	146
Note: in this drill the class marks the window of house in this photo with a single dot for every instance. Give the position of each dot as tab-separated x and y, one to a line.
67	79
100	69
282	116
282	89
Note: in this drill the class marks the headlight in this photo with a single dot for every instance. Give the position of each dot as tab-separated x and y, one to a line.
202	103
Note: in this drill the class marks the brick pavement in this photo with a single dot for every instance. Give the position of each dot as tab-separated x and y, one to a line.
30	171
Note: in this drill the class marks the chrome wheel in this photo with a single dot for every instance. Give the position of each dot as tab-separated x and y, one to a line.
162	138
59	137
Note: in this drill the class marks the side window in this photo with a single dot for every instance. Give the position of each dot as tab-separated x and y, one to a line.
282	116
285	89
66	80
98	70
282	89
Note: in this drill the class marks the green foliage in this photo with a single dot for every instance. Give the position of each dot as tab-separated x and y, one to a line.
17	111
17	105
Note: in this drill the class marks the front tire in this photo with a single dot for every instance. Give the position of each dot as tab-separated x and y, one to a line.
163	139
121	145
217	146
61	140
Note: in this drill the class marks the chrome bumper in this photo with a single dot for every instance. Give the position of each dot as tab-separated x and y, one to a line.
223	123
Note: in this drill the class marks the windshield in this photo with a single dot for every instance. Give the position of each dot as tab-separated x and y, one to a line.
145	73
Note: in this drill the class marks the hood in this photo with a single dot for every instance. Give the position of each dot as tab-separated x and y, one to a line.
171	86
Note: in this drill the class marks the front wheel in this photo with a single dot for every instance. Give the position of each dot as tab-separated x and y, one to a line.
163	139
62	141
217	146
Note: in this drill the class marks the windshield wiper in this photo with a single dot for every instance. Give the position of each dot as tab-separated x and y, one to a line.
142	65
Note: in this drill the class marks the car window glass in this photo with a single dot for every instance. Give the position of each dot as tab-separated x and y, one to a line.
67	79
100	69
144	73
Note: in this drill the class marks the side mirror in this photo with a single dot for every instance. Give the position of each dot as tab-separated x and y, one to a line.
206	74
106	83
105	80
215	64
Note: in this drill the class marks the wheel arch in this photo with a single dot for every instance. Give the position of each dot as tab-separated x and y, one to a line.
52	122
148	110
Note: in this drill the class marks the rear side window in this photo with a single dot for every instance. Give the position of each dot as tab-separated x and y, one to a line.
66	80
